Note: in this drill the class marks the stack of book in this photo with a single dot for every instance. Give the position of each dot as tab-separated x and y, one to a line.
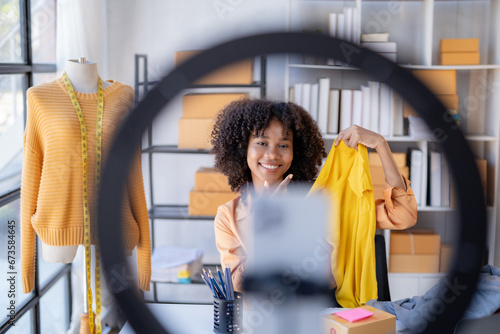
374	106
459	51
379	43
198	117
346	26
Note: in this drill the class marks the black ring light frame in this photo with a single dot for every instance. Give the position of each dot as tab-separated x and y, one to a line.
453	297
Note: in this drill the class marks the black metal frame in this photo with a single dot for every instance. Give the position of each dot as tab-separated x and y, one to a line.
27	68
142	87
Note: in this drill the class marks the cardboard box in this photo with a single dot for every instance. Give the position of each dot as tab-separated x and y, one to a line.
238	73
445	257
206	105
379	323
207	179
416	263
195	133
450	101
440	82
459	58
378	175
459	45
415	242
206	203
374	159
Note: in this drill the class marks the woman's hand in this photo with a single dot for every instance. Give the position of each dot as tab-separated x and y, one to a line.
280	189
354	135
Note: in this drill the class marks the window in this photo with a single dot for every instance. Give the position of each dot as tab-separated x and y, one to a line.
27	57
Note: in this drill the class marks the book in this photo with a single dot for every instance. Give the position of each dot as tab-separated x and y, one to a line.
365	90
332	24
397	115
434	178
445	182
332	32
380	46
348	13
374	105
297	93
323	96
313	109
385	111
345	109
306	96
356	25
375	37
333	111
416	171
340	32
357	107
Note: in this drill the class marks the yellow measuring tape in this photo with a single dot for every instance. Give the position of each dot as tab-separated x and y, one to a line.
86	214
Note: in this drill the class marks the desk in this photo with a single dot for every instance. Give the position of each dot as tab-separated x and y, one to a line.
192	318
181	318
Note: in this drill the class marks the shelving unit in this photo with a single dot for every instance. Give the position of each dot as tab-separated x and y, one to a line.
172	220
417	27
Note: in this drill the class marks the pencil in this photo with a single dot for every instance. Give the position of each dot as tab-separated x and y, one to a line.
209	285
216	286
229	283
221	281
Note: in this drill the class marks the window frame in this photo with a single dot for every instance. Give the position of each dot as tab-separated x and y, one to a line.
28	68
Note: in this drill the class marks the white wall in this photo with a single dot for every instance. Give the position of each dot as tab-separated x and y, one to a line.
159	28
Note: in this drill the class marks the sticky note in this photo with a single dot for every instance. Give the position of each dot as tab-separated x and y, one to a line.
355	314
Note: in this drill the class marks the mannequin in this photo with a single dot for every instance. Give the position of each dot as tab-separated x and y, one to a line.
83	76
52	204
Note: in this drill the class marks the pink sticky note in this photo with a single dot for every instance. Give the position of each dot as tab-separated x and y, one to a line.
355	314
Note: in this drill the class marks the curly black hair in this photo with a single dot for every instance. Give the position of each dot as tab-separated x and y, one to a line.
241	119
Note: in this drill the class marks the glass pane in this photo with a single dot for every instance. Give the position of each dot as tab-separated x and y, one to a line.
54	309
43	31
39	78
10	32
11	288
22	325
11	130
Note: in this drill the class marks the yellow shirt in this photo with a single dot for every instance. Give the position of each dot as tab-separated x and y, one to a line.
51	186
346	177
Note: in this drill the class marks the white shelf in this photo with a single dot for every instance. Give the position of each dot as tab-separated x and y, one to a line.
415	67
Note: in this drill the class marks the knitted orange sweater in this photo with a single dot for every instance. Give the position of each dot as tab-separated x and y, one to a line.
51	189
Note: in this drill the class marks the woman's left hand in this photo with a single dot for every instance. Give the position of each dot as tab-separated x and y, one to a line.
354	135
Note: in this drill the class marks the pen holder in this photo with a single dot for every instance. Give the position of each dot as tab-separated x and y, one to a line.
228	314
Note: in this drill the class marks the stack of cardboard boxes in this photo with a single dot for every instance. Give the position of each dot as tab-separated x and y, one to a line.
414	251
210	190
377	172
200	110
459	51
443	83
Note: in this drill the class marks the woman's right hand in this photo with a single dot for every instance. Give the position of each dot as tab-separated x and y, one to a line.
281	189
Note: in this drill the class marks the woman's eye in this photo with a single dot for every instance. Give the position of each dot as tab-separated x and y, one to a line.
284	146
261	143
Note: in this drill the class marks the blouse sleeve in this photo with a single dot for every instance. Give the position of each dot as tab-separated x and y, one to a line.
398	209
230	249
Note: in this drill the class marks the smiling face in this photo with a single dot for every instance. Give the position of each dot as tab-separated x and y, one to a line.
270	155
